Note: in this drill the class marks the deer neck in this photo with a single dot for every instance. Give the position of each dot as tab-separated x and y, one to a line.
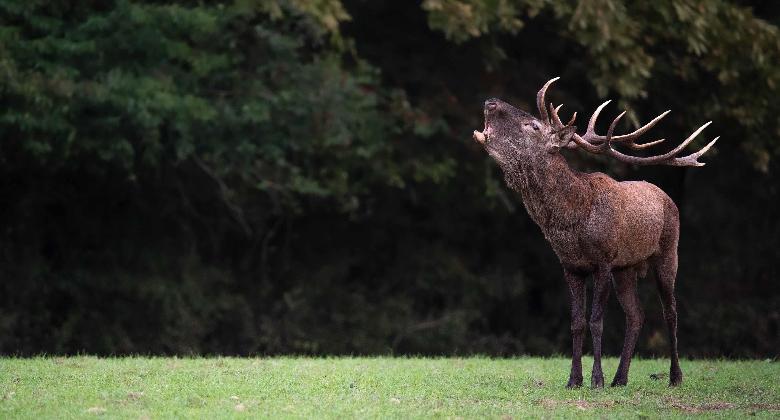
555	196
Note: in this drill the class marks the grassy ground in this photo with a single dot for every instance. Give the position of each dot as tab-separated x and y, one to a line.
135	388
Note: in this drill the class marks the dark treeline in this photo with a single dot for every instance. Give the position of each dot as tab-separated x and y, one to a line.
279	176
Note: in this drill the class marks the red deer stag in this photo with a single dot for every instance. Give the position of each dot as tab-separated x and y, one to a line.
596	225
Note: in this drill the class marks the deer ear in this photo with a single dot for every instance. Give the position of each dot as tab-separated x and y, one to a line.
565	134
560	138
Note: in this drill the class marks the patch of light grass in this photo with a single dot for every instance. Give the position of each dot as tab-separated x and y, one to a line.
138	387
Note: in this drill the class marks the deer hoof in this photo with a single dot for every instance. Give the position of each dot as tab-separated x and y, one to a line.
574	383
619	382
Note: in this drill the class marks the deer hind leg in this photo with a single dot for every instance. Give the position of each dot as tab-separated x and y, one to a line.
625	288
576	285
601	282
666	272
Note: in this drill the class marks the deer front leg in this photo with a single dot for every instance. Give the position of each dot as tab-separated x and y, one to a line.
576	285
601	283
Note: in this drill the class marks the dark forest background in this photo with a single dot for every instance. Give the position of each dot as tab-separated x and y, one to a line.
291	176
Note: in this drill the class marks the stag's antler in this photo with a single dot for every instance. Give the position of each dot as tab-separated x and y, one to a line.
597	144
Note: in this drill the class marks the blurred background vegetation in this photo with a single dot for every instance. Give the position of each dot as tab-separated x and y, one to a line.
292	176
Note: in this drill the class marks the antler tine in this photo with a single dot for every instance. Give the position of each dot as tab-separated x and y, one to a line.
608	140
590	132
640	146
691	160
555	120
630	137
642	130
573	118
690	138
540	102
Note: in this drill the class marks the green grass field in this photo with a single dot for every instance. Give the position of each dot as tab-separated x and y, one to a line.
84	387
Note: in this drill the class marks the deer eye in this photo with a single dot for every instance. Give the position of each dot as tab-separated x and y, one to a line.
532	124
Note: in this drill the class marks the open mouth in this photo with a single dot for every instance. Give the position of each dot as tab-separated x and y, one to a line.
479	137
482	137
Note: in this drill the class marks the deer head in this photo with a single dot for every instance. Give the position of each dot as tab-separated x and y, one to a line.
510	132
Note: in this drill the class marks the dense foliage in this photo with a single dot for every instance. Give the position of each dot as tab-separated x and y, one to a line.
272	176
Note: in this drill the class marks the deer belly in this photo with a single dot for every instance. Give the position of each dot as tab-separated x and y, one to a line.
641	224
638	241
625	225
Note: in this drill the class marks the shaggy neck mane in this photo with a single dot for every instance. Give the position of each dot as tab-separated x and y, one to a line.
553	193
